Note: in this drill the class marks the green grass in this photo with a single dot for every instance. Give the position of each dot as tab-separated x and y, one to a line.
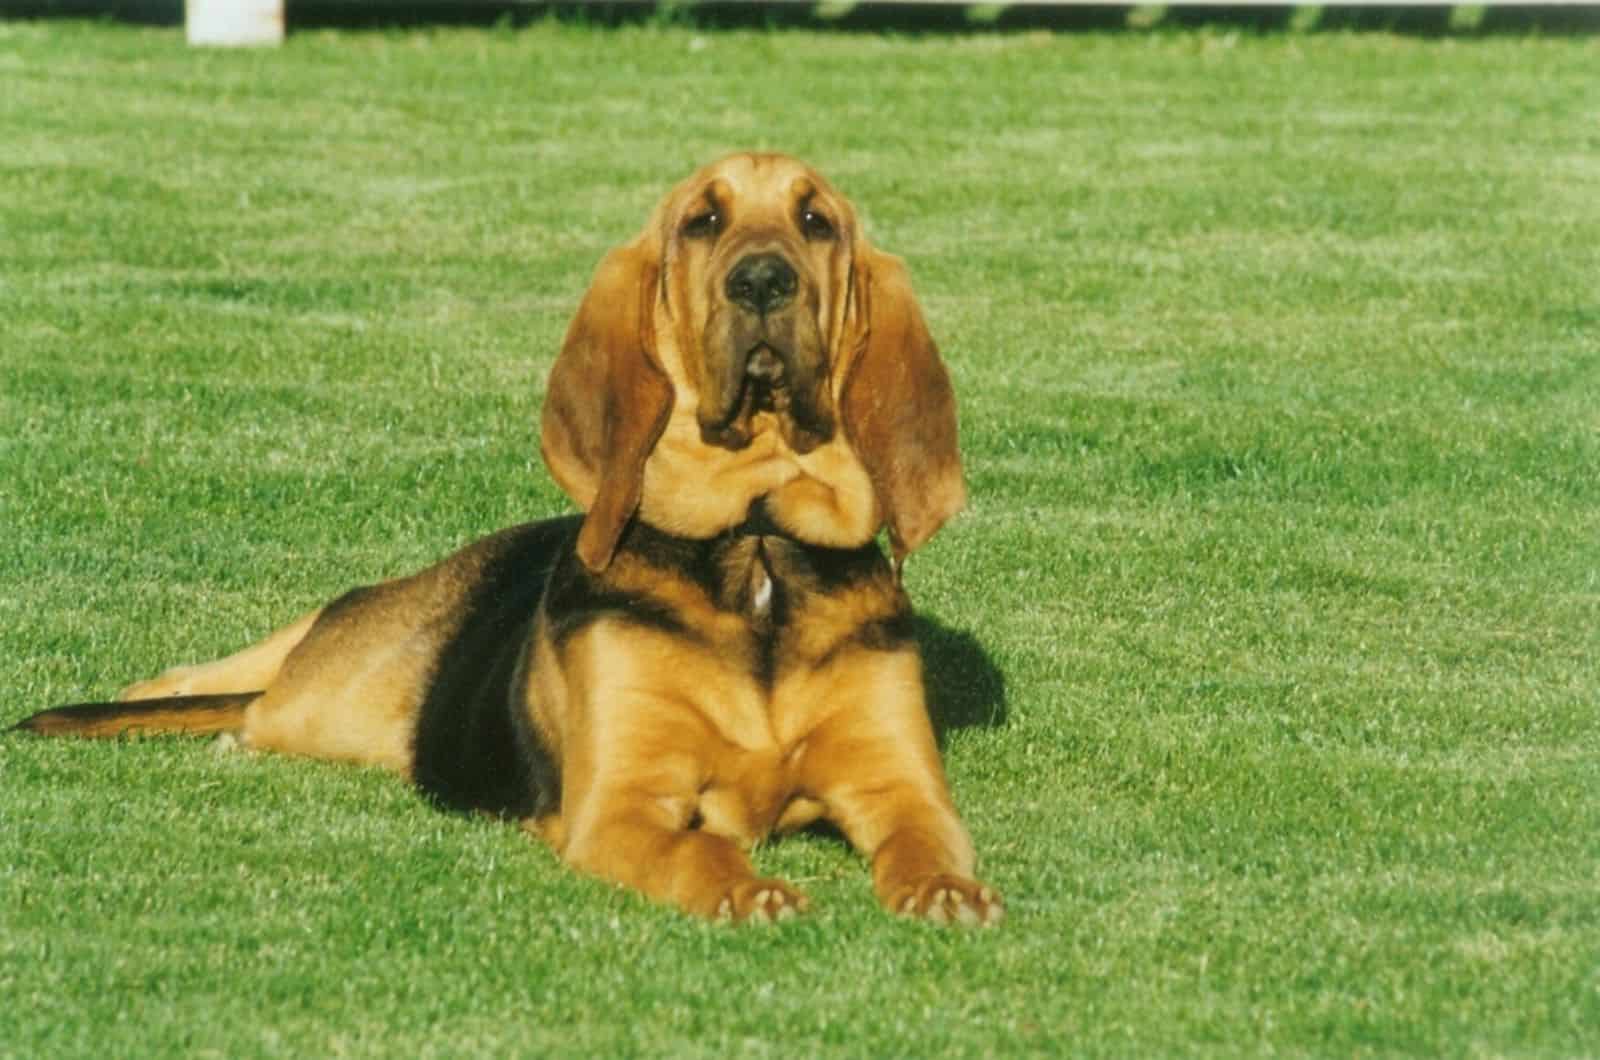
1279	361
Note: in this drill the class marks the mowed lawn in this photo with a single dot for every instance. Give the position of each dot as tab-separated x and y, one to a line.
1267	654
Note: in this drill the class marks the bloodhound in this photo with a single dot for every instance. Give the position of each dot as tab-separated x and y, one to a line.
717	649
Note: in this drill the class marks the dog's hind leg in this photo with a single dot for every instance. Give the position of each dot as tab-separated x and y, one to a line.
250	670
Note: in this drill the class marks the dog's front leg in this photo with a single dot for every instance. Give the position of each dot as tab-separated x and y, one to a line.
875	767
922	861
637	756
645	843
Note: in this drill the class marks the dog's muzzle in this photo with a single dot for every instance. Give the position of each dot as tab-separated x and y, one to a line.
765	354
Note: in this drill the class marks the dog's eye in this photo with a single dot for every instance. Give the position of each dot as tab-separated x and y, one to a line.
703	225
815	225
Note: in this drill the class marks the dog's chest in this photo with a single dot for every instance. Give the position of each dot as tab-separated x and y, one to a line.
760	592
745	581
717	660
787	606
801	613
751	608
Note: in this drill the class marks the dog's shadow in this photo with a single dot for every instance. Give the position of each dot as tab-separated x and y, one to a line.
964	687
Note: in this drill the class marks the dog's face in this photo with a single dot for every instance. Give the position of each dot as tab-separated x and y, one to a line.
758	256
750	345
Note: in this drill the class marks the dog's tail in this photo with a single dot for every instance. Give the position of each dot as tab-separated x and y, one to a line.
195	715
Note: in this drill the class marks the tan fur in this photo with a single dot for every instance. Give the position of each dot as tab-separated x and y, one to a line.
255	668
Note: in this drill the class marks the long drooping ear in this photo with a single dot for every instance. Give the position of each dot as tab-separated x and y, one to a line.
898	407
608	399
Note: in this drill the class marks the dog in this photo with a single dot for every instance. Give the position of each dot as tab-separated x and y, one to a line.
717	649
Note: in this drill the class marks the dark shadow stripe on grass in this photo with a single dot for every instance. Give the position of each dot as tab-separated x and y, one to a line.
1419	20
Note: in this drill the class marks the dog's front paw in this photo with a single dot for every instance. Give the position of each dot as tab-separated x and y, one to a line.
760	901
947	899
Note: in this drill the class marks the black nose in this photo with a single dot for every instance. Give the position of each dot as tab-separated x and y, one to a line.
762	282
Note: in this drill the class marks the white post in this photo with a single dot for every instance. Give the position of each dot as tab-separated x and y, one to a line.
234	22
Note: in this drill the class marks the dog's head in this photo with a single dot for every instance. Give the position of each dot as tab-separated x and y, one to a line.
752	302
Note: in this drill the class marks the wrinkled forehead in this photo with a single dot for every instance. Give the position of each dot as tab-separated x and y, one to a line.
755	188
